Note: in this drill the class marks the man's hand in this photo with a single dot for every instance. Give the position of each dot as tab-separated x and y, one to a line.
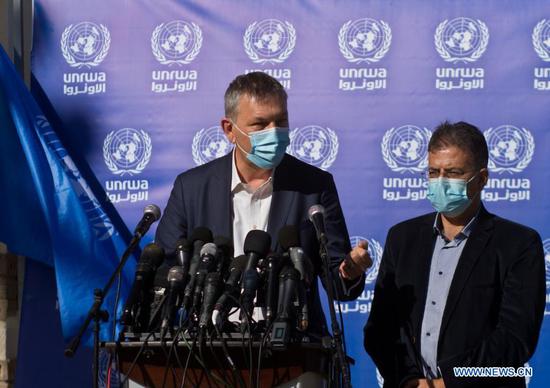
424	383
438	383
356	262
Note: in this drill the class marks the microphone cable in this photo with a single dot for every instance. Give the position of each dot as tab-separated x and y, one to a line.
264	338
168	365
236	373
136	358
201	363
215	356
201	356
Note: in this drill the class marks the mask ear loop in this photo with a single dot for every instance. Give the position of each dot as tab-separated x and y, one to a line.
236	142
468	182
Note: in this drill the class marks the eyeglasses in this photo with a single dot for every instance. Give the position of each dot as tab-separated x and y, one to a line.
445	172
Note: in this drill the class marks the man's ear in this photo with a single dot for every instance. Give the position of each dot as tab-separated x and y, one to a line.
484	174
227	127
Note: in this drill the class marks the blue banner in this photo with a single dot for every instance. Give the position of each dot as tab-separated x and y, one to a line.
77	235
139	88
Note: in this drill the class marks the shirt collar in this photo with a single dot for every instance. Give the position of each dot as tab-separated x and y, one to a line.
464	233
237	184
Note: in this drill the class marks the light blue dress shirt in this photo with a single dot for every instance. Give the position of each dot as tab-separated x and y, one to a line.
444	261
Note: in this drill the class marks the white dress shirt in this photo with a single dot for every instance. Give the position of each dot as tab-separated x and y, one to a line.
250	207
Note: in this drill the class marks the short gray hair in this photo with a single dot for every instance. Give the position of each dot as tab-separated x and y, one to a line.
257	85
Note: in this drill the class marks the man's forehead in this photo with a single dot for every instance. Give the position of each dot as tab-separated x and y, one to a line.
264	100
451	156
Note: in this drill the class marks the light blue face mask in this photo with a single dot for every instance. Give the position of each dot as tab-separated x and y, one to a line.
268	146
449	196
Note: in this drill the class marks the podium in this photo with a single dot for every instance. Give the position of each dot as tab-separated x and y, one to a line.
157	364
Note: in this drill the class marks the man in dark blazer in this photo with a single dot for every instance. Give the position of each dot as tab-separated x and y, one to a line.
258	186
460	287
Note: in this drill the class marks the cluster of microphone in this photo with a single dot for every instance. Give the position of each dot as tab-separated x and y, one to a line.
206	285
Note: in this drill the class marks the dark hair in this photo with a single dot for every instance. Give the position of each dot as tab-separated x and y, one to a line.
257	85
464	136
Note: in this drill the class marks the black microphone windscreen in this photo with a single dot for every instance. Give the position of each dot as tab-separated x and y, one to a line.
225	245
152	253
201	233
289	237
257	241
184	244
238	263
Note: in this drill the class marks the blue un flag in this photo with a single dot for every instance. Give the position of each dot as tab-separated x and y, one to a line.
50	212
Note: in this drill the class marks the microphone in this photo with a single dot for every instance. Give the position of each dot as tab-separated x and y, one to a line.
184	253
211	287
175	284
151	257
231	290
225	253
199	237
273	267
288	283
289	238
151	213
256	246
207	264
316	215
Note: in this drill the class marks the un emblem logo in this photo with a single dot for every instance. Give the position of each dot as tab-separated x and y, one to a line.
364	40
375	252
461	39
209	144
541	39
510	148
269	41
315	145
405	149
100	222
177	42
85	44
127	151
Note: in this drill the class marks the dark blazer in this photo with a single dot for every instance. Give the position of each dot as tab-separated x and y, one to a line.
494	309
202	197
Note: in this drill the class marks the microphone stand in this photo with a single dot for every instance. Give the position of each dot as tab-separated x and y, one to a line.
336	332
97	315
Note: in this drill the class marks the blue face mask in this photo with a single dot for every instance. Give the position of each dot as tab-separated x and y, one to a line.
449	196
268	146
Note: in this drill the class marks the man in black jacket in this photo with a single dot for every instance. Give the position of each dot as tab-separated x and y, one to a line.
460	287
259	186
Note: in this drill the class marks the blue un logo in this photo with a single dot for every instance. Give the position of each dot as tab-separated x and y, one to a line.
85	44
364	40
315	145
127	151
461	39
209	144
405	149
176	42
269	41
510	148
